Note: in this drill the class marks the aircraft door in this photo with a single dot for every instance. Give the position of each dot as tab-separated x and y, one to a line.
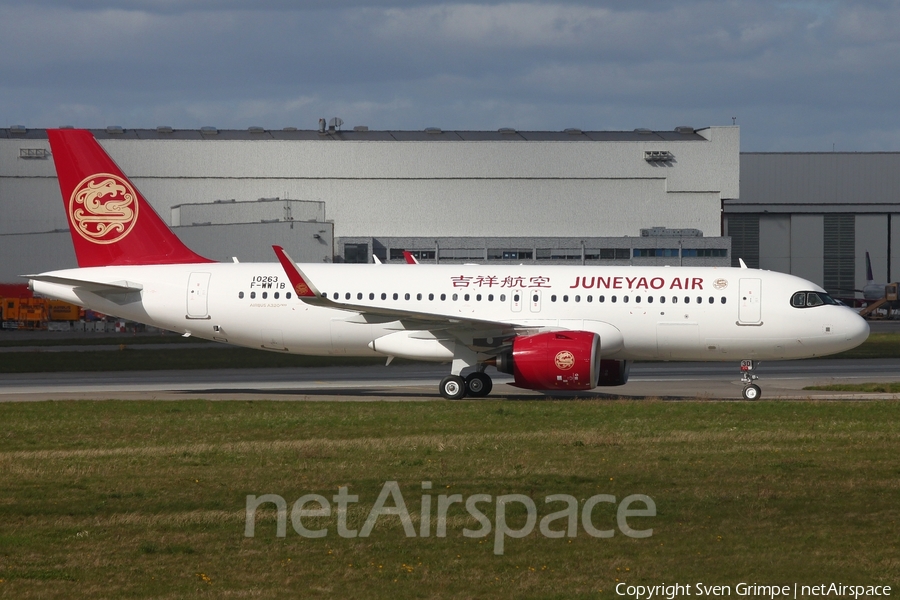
198	296
535	297
516	298
750	302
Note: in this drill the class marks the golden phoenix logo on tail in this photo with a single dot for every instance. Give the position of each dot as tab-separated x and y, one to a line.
103	208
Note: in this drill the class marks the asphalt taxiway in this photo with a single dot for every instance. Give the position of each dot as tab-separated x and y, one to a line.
778	380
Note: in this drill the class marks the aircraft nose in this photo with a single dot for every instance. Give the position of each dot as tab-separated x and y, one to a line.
855	329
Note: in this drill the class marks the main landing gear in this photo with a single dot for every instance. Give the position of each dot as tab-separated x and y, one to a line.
455	387
751	390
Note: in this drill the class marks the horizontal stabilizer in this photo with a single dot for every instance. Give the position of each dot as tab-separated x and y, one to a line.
89	285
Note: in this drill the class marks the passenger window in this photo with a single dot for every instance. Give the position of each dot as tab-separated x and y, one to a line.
265	295
590	298
601	298
712	300
723	299
276	295
240	294
625	299
577	298
566	298
662	299
674	299
288	295
431	296
347	296
396	295
478	297
371	296
418	296
612	299
383	296
650	299
490	297
252	295
359	295
406	296
699	300
455	297
552	298
502	297
637	299
443	297
466	297
687	299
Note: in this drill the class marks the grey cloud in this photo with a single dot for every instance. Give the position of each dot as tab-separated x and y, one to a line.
803	71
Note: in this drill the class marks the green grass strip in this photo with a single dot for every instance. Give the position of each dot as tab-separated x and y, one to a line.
147	499
874	388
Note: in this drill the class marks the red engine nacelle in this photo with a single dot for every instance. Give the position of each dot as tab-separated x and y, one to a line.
613	372
559	360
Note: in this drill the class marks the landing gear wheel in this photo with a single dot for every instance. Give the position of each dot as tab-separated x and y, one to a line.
479	385
752	392
453	387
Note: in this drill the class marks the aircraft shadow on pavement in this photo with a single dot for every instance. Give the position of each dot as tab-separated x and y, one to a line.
388	393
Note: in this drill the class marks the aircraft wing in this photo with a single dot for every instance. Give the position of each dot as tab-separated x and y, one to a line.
464	329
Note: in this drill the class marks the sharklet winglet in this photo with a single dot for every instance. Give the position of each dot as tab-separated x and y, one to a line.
301	283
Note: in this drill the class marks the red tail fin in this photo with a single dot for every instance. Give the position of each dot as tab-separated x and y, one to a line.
110	222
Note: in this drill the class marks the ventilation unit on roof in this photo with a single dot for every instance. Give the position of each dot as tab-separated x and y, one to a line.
433	130
507	130
115	129
335	124
572	131
684	129
207	130
164	129
359	128
658	156
289	129
643	131
255	129
18	130
33	153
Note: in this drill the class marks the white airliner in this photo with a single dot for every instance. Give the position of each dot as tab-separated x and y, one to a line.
551	327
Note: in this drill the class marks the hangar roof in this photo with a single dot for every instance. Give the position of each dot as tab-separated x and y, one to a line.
363	134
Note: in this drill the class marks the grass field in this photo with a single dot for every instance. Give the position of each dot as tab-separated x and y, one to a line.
147	499
870	388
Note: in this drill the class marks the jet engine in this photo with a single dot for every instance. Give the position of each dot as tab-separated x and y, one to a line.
558	360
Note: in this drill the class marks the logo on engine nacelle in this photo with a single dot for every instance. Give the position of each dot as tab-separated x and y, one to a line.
103	208
564	360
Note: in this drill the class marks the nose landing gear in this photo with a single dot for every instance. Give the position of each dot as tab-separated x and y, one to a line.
751	390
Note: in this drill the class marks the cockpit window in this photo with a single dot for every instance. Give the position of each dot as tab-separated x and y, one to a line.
813	299
809	299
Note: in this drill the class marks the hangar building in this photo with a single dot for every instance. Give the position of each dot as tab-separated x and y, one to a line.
816	214
572	197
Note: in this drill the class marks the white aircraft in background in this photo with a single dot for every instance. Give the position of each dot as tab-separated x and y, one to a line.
551	327
873	290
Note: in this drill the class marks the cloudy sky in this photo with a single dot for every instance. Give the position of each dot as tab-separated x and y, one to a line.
796	76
